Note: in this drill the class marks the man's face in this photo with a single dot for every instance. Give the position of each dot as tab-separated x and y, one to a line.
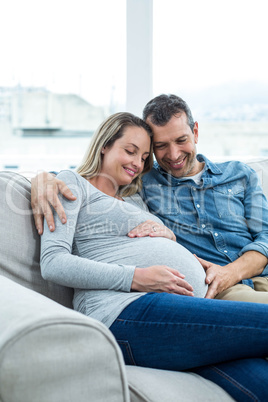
175	146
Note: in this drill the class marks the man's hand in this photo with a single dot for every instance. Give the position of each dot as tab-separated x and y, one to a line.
160	278
152	229
44	194
218	277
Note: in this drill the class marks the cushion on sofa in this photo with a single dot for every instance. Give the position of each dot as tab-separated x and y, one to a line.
147	384
20	242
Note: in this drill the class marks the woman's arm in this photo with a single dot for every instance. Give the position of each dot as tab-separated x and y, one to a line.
60	266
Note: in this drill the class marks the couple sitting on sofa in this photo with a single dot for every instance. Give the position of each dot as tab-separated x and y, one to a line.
134	277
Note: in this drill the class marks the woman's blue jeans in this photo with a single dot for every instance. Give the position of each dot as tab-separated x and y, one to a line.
223	341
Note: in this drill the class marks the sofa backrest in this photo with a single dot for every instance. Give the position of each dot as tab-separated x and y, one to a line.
20	242
261	167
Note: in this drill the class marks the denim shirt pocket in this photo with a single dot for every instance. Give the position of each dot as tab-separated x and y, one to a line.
228	200
161	199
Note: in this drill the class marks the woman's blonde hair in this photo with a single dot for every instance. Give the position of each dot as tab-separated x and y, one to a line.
107	133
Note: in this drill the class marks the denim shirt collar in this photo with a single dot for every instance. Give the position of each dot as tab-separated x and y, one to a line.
206	178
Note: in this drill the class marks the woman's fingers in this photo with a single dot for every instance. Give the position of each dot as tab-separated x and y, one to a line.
152	229
160	278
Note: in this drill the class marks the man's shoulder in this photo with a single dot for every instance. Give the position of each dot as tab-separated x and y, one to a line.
225	167
232	166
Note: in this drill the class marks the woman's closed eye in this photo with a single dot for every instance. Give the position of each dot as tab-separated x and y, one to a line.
143	159
129	152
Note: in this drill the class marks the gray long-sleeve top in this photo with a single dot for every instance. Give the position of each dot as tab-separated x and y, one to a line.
93	254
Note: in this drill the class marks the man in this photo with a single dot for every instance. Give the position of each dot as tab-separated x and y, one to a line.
217	211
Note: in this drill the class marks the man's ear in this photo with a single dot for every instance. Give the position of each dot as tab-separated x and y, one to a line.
195	130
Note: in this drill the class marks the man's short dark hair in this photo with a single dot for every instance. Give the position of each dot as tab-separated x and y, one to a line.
161	109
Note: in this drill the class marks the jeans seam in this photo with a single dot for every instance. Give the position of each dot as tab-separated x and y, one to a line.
236	384
128	350
190	323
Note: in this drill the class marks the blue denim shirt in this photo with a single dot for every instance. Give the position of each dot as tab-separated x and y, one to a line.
220	219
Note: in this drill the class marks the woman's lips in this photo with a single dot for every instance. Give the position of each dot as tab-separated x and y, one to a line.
130	171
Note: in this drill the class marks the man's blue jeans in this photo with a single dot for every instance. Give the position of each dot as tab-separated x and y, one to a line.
223	341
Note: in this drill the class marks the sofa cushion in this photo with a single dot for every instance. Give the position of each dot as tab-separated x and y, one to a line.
20	242
151	385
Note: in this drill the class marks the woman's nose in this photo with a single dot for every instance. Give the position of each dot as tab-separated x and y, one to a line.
137	162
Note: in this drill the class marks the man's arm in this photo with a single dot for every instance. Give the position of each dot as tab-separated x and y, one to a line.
44	195
220	278
254	256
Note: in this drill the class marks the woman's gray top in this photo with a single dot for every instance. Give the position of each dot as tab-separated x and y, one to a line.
93	254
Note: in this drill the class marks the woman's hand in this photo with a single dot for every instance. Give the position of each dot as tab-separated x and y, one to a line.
152	229
160	278
44	194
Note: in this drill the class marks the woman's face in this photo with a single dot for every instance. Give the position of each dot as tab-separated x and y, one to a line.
125	159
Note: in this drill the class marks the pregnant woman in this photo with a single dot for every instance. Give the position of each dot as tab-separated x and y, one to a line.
141	288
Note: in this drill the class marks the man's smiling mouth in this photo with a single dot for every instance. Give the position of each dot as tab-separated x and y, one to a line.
179	164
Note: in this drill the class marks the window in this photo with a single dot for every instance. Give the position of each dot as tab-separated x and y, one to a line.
65	66
63	71
213	55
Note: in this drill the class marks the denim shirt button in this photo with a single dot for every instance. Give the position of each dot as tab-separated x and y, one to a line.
216	234
225	251
203	226
229	190
198	206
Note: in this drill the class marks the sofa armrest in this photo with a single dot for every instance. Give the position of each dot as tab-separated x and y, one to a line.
51	353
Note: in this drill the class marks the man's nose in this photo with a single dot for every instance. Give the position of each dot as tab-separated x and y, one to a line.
173	153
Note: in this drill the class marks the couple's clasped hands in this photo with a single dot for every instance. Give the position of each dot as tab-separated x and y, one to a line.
158	278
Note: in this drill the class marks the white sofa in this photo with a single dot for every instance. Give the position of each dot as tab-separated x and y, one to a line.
50	353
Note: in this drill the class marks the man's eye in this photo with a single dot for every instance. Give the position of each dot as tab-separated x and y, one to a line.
159	146
129	152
